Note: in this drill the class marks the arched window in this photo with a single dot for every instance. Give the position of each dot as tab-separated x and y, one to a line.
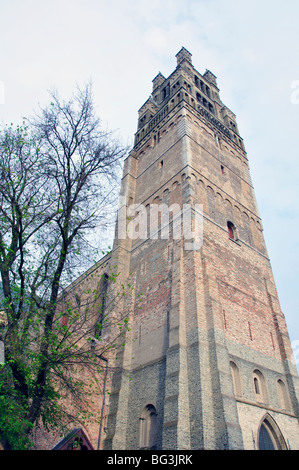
266	442
256	386
259	386
231	230
270	436
236	379
283	395
148	428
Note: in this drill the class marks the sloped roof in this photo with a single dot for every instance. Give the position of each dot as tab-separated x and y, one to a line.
74	440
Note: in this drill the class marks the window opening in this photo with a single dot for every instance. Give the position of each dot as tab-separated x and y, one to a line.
282	393
265	441
231	230
236	378
260	388
148	428
256	386
166	91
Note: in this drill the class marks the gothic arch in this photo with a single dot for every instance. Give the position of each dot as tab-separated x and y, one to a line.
232	230
211	201
269	435
228	204
283	394
219	198
237	214
236	379
201	194
193	177
211	190
148	427
260	387
246	227
245	217
228	209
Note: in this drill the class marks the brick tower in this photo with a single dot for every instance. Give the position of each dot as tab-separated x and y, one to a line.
208	362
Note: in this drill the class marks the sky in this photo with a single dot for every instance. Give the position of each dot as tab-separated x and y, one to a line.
121	45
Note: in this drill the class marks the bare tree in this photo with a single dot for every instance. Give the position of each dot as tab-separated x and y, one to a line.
58	178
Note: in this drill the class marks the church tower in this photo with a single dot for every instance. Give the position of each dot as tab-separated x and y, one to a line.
208	361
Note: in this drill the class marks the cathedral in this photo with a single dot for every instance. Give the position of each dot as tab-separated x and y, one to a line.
207	362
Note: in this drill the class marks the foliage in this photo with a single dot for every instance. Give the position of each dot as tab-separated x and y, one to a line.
59	172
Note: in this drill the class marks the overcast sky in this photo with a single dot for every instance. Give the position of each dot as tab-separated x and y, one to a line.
120	45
